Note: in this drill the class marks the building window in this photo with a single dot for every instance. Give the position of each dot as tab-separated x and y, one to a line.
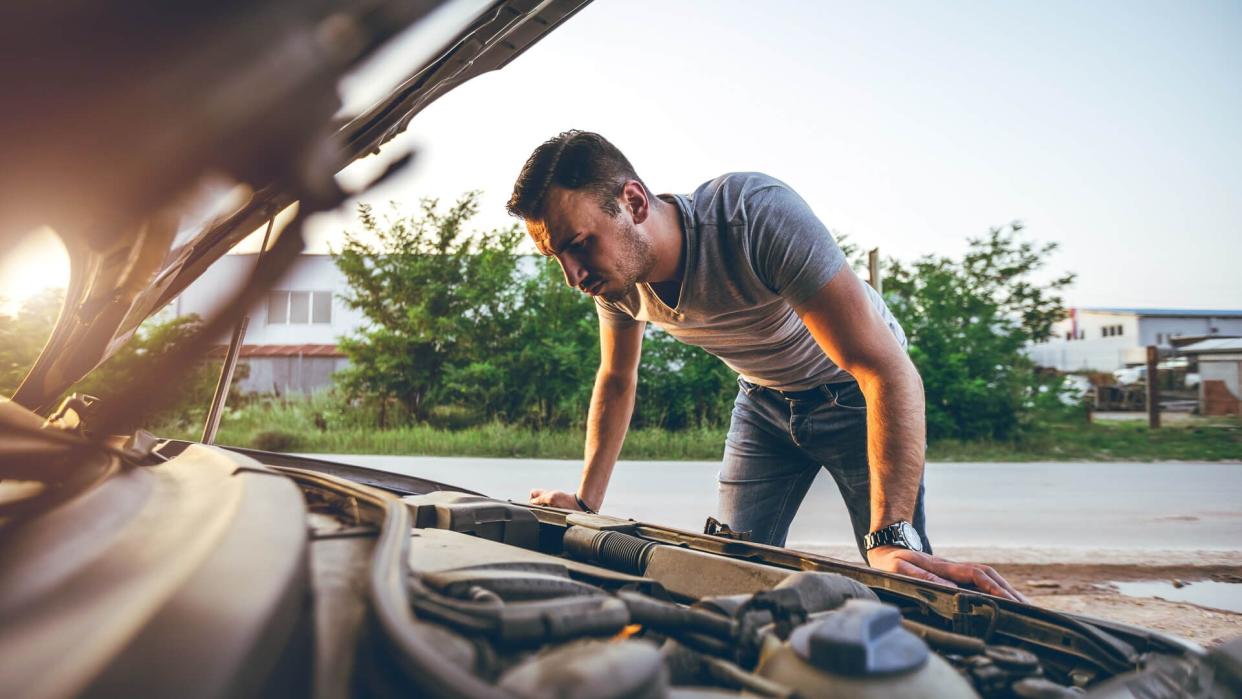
277	307
299	307
321	307
1120	329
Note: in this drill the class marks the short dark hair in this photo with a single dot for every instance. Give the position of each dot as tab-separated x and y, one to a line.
575	160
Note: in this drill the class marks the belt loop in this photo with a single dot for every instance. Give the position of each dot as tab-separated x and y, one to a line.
826	389
747	387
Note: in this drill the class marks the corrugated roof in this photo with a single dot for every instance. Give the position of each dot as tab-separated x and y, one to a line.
282	351
1188	312
1219	344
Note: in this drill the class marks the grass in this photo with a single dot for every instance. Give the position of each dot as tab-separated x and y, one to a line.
1198	440
317	426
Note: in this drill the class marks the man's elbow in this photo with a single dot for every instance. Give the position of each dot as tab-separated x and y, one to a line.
615	383
890	371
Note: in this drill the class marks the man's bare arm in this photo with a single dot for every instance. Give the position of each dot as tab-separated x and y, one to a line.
608	419
853	334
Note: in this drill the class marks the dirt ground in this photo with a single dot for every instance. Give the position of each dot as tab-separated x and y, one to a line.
1086	589
1080	581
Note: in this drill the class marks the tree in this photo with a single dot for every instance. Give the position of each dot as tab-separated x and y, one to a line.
435	298
195	385
541	373
23	335
22	338
968	321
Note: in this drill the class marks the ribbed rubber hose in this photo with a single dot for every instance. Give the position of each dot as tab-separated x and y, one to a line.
616	550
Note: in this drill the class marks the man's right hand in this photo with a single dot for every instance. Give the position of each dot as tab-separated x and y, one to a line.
554	498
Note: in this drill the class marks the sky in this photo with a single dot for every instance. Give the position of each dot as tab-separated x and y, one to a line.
1110	128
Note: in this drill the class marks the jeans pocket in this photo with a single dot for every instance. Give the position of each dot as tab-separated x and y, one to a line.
848	396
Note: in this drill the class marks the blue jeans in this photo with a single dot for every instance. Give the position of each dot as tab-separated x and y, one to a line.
776	446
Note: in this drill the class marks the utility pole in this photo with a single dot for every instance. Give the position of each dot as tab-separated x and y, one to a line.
873	268
1153	387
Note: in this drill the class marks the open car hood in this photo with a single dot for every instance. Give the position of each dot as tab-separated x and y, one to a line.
193	126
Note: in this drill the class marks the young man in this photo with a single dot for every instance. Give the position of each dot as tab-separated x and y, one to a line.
744	269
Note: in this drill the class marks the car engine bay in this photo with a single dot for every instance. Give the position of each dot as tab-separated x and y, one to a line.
202	571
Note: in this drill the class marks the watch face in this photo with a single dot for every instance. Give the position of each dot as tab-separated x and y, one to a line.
911	536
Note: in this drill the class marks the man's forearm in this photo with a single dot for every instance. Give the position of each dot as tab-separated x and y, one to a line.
896	439
612	404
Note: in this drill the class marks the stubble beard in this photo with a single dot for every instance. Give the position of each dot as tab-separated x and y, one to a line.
635	260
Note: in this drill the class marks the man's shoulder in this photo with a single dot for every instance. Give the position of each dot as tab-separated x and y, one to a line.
726	198
739	183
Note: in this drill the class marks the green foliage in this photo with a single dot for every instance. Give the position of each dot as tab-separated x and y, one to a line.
23	335
461	334
541	373
194	387
22	338
324	424
275	440
680	386
434	297
458	333
967	322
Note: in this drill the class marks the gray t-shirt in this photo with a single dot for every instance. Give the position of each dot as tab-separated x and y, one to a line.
754	251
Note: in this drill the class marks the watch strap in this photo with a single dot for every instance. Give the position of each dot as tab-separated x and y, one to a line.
892	535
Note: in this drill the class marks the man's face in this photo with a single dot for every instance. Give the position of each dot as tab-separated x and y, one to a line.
600	254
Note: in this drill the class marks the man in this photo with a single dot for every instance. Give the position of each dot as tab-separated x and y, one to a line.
744	269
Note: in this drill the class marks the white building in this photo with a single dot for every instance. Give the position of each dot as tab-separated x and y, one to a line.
1107	339
291	336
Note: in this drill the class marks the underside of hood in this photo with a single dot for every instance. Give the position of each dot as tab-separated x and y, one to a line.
153	137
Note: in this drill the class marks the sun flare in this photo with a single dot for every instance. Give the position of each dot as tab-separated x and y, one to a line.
37	261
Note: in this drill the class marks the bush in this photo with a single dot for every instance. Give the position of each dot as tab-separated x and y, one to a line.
454	417
275	440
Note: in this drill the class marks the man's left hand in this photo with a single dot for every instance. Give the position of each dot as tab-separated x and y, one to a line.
895	559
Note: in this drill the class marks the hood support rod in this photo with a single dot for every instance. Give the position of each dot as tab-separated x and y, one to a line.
216	411
212	425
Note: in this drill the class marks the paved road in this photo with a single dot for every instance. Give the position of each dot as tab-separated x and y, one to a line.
1167	506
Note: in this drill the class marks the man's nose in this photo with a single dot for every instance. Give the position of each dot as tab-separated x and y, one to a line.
574	272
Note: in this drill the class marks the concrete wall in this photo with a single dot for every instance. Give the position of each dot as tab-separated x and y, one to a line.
290	375
1095	351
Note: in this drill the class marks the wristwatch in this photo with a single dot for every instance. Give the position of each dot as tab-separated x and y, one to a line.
901	534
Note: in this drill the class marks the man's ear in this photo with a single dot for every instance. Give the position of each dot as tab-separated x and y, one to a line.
634	198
